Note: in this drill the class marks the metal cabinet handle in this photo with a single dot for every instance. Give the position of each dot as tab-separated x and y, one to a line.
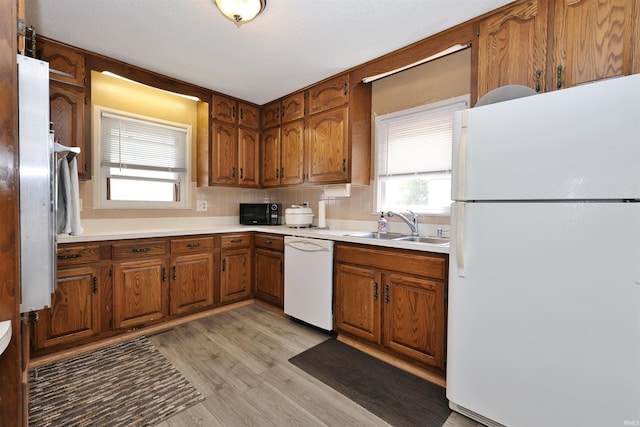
193	245
235	240
268	242
345	88
538	78
386	293
559	71
138	250
69	256
224	264
344	165
175	273
233	172
164	274
241	173
95	284
375	291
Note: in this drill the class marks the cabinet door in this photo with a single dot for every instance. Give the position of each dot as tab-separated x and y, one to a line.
66	65
357	301
292	153
75	308
139	292
235	277
268	276
248	116
592	40
271	157
191	282
224	154
414	318
249	155
224	109
512	47
328	147
270	115
66	111
330	94
293	107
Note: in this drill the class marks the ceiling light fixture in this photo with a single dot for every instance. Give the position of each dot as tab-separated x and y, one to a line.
241	11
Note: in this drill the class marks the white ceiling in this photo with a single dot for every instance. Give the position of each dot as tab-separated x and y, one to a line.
293	44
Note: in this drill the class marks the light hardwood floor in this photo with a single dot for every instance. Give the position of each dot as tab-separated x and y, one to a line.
238	360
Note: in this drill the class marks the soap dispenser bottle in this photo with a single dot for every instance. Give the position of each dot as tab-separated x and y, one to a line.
382	224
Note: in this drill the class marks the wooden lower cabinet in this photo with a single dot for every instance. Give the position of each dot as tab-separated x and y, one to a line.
402	311
75	309
236	267
235	274
139	292
268	268
414	318
357	301
191	282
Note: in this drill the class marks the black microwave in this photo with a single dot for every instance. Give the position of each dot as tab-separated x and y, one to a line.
260	214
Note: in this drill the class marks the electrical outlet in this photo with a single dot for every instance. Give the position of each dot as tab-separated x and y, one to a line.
201	205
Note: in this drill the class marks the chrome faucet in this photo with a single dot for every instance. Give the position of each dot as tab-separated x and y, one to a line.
413	224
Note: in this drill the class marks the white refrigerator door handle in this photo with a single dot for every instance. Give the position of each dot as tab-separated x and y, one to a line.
460	238
462	158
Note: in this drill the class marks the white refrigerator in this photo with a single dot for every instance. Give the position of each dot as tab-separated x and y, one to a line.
544	281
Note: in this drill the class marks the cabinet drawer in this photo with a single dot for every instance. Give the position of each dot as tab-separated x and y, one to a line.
269	241
188	245
139	248
411	262
73	255
235	240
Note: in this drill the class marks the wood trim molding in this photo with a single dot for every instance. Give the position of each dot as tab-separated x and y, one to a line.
12	405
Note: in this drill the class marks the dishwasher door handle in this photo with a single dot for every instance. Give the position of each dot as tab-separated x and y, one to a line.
307	246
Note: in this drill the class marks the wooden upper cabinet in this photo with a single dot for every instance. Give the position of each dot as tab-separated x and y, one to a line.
553	44
292	153
248	157
66	112
283	111
249	115
270	114
593	39
270	143
512	47
292	107
66	65
224	153
330	94
225	109
327	151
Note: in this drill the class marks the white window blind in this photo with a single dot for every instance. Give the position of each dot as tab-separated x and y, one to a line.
128	143
416	141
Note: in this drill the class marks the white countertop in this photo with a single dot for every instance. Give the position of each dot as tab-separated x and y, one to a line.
138	228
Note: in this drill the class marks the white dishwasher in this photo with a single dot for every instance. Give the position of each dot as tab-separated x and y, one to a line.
308	280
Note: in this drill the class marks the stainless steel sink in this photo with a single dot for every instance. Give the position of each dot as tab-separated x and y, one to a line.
401	237
375	235
420	239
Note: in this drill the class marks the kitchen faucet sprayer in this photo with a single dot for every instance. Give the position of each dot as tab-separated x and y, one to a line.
413	224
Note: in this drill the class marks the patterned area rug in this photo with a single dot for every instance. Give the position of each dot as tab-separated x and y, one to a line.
128	384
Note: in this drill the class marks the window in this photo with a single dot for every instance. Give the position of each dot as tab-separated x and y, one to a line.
142	161
413	157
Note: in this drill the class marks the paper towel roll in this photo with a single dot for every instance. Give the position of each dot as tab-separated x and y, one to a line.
322	220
